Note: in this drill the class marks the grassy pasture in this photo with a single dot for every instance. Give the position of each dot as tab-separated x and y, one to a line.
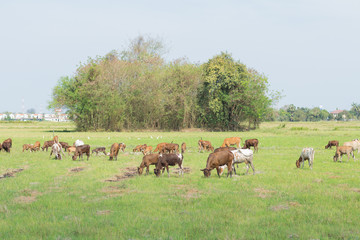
49	201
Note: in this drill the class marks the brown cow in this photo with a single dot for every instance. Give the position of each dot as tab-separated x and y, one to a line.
218	159
348	150
251	143
64	145
139	148
80	150
183	147
160	147
71	149
47	144
148	160
99	149
166	160
205	145
122	146
114	151
7	144
27	147
147	150
224	149
332	143
231	141
36	146
170	148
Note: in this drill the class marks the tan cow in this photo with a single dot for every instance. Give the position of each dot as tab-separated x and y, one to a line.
231	141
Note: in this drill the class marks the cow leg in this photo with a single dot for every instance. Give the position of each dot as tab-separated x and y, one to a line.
147	170
229	170
88	155
237	165
247	168
303	161
252	166
167	169
218	171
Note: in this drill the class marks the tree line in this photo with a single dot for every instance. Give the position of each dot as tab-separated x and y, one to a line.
136	88
291	113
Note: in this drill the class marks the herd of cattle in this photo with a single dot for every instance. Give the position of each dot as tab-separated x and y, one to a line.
170	154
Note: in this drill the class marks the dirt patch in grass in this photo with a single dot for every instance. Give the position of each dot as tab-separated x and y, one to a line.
103	212
192	194
335	176
76	169
177	170
126	173
317	180
11	173
285	206
264	193
29	196
355	190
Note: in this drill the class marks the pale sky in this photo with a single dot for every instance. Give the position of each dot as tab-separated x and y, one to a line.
308	49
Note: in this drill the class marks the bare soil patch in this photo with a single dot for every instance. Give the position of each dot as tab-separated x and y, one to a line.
177	170
285	206
103	212
264	193
192	194
29	196
76	169
126	173
11	173
335	176
318	180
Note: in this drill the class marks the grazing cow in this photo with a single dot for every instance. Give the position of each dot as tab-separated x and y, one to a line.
27	147
216	160
36	146
78	143
348	150
166	160
147	150
64	145
240	156
47	144
332	143
355	144
139	148
170	148
122	146
7	144
57	150
224	149
114	151
183	147
159	147
205	145
251	143
99	149
71	149
306	154
148	160
80	150
231	141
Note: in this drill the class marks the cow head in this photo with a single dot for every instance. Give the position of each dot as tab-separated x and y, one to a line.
298	163
207	172
327	146
140	171
335	158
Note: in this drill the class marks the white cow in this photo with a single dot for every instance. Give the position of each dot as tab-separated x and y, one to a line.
78	143
57	150
241	156
306	154
355	144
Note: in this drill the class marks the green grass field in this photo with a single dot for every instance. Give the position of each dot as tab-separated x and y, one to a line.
51	200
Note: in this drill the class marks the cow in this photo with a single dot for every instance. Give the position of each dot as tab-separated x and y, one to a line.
332	143
64	145
241	156
56	139
36	146
166	160
99	149
348	150
306	154
114	151
47	144
139	148
80	150
183	147
170	148
231	141
150	159
218	159
7	144
205	145
251	143
57	150
225	149
147	150
159	147
122	146
27	147
71	149
355	144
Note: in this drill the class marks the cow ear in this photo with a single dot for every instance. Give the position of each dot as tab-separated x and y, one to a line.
202	169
